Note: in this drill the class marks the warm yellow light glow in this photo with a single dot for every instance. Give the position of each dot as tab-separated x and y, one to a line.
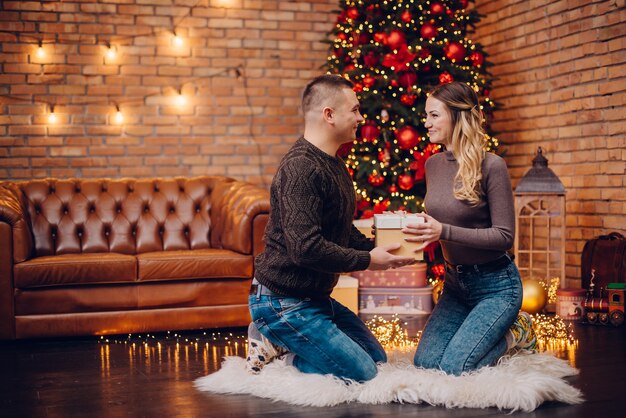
181	100
52	117
41	52
177	41
119	116
111	53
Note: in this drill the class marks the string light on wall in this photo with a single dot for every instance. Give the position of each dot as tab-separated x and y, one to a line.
41	53
52	117
177	40
180	99
111	52
119	116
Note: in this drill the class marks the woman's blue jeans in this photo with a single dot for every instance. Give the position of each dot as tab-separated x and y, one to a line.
467	327
325	336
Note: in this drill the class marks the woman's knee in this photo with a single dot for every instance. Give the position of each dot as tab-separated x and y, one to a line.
426	359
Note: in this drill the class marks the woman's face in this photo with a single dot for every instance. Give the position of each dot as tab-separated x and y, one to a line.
438	122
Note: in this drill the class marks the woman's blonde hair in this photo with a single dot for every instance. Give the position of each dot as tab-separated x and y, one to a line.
467	140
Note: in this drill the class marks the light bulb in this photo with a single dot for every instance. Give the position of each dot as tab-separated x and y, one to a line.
111	53
181	100
52	117
119	116
177	40
40	51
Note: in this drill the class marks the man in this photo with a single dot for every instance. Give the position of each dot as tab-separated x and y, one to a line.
309	240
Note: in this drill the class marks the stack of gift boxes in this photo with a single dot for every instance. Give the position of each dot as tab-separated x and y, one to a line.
402	291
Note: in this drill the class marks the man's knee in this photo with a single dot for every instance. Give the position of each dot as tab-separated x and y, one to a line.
426	360
366	371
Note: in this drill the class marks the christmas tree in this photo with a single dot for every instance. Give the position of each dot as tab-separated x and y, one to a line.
395	52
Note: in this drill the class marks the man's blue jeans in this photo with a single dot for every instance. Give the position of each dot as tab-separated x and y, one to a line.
467	327
325	336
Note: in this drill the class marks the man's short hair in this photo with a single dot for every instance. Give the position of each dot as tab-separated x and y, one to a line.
323	90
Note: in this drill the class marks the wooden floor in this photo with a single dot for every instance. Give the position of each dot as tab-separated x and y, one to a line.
152	376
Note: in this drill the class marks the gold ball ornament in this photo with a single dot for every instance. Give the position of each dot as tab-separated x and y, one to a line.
535	296
437	291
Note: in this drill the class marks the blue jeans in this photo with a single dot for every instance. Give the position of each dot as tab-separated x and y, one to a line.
467	327
325	336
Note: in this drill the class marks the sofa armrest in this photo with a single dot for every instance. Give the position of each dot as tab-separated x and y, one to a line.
7	312
12	212
239	210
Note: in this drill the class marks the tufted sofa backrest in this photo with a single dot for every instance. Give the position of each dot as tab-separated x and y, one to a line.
128	216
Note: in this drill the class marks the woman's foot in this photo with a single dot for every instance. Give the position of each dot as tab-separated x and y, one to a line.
261	351
522	335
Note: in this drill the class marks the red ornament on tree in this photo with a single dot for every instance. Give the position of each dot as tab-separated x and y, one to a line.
407	137
375	179
342	36
463	3
349	67
358	87
477	58
436	8
428	31
352	13
369	81
424	53
369	131
380	37
405	181
393	188
370	59
367	214
407	79
454	51
359	38
408	99
381	206
396	39
406	16
445	78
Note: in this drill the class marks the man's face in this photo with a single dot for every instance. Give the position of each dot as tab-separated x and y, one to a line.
347	115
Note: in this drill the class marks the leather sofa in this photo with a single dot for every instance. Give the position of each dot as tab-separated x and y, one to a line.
113	256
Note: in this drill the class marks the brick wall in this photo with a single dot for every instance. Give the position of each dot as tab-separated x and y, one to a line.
562	86
242	67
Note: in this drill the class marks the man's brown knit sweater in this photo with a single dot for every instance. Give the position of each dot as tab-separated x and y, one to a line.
310	238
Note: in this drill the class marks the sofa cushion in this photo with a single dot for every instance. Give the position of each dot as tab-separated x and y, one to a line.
193	264
73	269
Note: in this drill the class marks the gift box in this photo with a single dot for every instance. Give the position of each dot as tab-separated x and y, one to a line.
346	292
389	231
396	300
407	276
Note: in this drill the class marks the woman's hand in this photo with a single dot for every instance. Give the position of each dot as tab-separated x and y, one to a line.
425	232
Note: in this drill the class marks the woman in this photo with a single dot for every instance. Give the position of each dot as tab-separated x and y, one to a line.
470	210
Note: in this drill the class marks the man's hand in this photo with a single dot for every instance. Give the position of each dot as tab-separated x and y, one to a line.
382	259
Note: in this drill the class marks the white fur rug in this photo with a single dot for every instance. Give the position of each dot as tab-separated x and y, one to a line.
521	382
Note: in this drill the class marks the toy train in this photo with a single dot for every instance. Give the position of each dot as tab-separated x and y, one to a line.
605	310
